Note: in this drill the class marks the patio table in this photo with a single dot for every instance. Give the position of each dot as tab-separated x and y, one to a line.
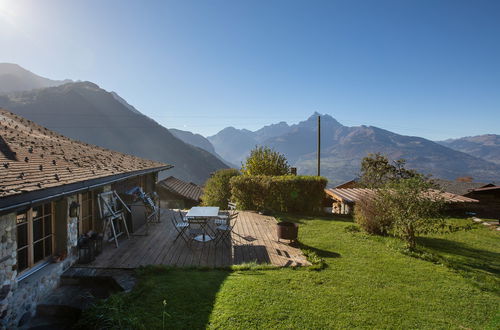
201	215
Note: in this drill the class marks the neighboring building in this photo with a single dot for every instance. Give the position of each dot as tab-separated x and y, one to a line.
42	174
178	194
488	195
344	199
460	188
489	201
348	184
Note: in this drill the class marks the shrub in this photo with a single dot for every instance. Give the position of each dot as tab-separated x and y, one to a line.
265	161
371	216
287	193
412	207
217	190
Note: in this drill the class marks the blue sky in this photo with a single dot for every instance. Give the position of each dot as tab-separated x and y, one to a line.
426	68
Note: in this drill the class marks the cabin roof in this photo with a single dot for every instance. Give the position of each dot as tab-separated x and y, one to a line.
460	188
34	159
353	195
185	189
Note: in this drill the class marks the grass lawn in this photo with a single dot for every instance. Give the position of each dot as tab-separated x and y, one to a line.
368	282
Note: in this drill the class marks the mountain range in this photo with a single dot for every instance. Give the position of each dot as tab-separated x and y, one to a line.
14	78
343	148
485	146
86	112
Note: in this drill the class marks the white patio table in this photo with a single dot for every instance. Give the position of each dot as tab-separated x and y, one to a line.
201	215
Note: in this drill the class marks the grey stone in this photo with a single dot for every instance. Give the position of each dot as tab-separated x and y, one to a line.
4	291
24	319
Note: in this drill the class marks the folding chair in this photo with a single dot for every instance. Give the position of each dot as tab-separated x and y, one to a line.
223	217
224	231
182	217
181	228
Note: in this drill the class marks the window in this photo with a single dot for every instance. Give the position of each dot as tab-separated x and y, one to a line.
87	213
35	237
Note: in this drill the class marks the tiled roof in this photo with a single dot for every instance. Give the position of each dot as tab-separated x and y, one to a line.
34	158
352	195
185	189
487	188
459	188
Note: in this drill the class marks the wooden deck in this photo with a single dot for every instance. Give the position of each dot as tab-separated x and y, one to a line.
254	240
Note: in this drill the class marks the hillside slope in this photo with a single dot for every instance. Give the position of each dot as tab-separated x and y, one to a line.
85	112
14	78
485	146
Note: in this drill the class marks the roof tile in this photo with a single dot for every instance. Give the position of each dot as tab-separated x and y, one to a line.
27	165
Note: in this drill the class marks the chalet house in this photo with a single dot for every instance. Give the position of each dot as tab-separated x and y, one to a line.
460	188
48	187
344	199
178	194
489	201
488	195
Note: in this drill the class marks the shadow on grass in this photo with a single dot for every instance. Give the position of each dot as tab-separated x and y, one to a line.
482	266
189	297
301	218
319	252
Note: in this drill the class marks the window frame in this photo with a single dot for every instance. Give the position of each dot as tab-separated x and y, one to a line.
31	264
91	215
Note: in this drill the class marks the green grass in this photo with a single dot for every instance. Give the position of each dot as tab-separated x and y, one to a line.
364	282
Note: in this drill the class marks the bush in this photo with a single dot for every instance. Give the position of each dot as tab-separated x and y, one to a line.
217	191
287	193
371	216
413	207
265	161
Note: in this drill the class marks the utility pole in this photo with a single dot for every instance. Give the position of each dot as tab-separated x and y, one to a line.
319	145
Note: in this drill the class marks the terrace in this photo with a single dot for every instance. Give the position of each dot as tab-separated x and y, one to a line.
254	240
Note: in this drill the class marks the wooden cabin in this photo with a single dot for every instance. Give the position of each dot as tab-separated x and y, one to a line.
48	189
343	200
177	194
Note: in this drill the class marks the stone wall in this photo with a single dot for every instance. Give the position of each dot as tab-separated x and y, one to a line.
8	262
18	299
72	228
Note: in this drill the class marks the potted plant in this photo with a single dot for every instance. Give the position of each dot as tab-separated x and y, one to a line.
287	230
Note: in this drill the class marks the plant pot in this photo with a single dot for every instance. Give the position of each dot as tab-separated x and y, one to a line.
287	230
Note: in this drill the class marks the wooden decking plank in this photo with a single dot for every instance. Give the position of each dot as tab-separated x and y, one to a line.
261	245
263	232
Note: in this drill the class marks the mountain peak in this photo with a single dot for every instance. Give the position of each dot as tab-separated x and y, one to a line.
15	78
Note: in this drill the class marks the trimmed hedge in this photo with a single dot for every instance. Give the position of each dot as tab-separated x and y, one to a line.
287	193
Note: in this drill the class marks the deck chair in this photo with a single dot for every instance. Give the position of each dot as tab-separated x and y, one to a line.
150	203
231	206
224	231
181	227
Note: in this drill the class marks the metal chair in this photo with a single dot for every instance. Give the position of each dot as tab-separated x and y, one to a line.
181	227
224	216
182	217
224	230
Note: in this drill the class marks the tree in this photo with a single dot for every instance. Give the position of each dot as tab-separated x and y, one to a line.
265	161
412	206
217	190
376	171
